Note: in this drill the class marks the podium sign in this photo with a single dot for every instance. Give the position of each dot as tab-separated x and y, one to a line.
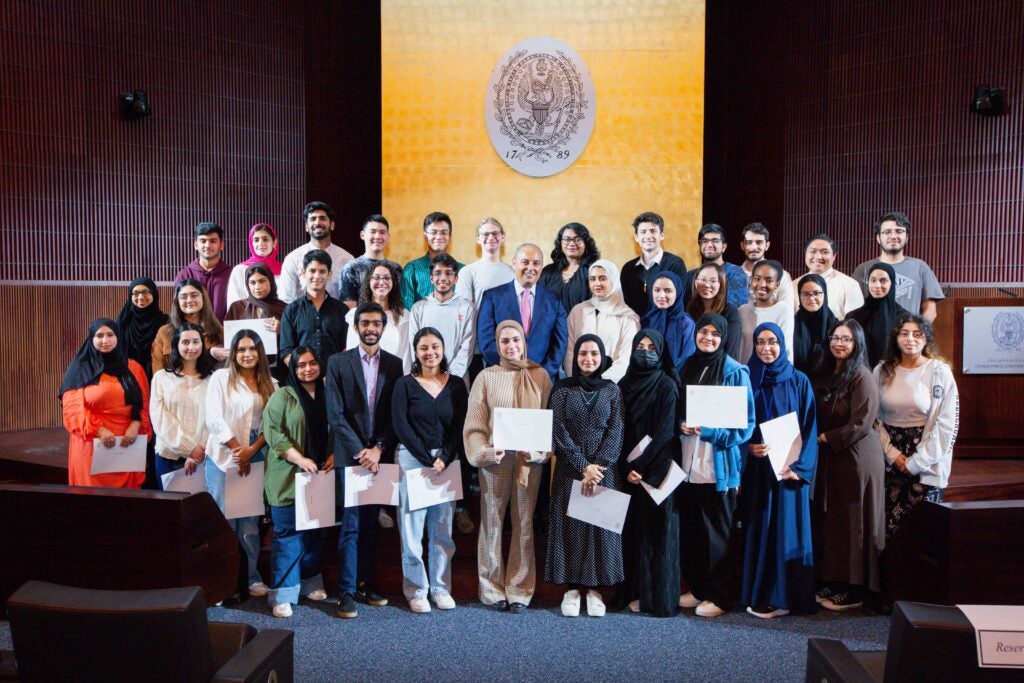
993	342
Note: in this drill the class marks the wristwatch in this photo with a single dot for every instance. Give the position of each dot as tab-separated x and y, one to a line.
379	445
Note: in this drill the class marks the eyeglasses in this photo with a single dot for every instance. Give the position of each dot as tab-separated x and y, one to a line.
572	240
189	296
765	280
812	295
438	233
487	236
143	293
709	240
705	281
911	334
897	232
380	278
840	340
761	343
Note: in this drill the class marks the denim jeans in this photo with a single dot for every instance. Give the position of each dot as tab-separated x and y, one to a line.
246	528
162	466
357	540
294	558
417	580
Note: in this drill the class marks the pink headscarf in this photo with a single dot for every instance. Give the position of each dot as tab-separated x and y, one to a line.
270	261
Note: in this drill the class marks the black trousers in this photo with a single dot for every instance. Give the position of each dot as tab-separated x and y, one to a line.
706	521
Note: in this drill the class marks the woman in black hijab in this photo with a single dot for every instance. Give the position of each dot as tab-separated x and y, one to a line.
140	319
879	311
650	393
811	326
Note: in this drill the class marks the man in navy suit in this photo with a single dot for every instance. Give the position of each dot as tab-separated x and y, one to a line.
359	384
537	309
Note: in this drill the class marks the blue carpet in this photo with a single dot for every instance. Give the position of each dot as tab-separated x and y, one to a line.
473	643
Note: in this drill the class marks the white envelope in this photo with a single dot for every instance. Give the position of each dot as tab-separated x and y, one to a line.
713	406
117	459
782	436
522	429
606	508
243	496
179	481
269	339
426	488
672	480
362	487
635	453
314	500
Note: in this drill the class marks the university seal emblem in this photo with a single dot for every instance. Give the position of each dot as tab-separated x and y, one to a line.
1008	330
540	107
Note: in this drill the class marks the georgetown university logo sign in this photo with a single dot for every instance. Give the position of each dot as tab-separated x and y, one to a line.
1008	330
540	107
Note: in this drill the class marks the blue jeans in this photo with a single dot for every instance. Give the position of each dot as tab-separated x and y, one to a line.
246	528
437	519
357	541
162	466
294	558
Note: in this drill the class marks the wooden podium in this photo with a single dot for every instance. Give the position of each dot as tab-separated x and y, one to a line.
115	539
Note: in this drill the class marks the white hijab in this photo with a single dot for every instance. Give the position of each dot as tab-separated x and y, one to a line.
612	303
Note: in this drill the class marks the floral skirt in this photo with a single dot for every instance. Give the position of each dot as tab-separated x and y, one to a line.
903	490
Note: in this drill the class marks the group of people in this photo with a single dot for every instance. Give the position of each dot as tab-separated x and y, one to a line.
381	363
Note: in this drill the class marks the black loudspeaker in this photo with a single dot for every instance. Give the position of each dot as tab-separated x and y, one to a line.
987	101
134	105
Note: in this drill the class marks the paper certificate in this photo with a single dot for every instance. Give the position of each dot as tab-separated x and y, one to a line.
999	634
314	500
673	479
522	429
721	407
425	488
243	496
606	508
118	459
363	487
782	436
232	327
185	483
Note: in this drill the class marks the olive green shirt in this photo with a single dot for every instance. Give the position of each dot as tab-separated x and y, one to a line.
284	427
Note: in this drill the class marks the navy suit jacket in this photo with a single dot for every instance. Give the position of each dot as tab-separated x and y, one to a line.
346	404
546	342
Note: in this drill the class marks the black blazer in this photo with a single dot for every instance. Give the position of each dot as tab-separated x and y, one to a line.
346	404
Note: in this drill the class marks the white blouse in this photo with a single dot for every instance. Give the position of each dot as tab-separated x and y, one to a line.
176	405
229	414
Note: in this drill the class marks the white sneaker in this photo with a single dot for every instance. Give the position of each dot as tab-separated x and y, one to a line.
317	595
443	600
571	604
384	519
767	612
634	607
595	604
688	600
709	609
258	589
463	522
419	605
283	610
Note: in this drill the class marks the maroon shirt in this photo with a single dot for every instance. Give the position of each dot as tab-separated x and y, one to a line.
215	281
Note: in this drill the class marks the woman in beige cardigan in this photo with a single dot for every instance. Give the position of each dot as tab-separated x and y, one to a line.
506	476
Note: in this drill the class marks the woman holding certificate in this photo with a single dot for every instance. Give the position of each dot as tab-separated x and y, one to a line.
234	417
711	463
650	392
260	303
295	427
775	503
587	423
104	396
506	477
428	409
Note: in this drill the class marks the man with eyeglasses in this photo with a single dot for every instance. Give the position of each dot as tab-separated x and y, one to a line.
638	276
917	288
416	285
375	234
755	245
844	293
319	221
209	268
712	242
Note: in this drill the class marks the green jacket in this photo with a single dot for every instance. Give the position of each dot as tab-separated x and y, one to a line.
284	427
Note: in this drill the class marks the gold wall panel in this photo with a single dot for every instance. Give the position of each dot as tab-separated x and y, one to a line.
646	58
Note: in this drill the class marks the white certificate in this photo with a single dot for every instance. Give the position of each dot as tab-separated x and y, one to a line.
363	487
635	453
243	496
522	429
232	327
782	436
721	407
673	479
314	500
117	459
999	633
185	483
606	508
426	488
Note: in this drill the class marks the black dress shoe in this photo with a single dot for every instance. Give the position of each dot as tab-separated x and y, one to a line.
346	608
517	608
366	594
499	606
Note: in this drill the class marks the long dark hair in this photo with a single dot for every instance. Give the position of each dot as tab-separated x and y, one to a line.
205	364
417	367
696	306
590	251
213	331
394	296
858	357
893	355
264	382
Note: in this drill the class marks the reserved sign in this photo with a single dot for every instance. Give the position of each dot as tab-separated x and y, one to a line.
999	630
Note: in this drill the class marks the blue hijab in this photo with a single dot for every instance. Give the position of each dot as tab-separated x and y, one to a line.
674	323
774	384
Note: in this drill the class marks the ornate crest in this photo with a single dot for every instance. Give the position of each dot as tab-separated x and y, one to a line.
1008	330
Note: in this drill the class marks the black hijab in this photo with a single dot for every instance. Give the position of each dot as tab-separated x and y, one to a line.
88	364
810	329
703	367
317	446
877	316
140	325
594	381
271	306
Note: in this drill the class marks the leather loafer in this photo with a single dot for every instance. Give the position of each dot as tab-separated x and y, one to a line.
517	608
499	606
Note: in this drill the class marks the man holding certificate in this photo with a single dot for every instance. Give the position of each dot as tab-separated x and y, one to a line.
506	476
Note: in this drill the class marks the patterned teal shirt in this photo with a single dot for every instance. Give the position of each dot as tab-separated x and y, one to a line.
416	282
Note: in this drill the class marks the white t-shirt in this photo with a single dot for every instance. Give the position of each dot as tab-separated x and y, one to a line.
905	400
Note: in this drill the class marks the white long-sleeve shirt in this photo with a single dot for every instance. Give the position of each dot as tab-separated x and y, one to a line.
229	414
176	408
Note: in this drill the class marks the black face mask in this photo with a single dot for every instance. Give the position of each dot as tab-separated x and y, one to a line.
645	359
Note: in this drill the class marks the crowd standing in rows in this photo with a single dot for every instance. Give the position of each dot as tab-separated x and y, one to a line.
379	363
